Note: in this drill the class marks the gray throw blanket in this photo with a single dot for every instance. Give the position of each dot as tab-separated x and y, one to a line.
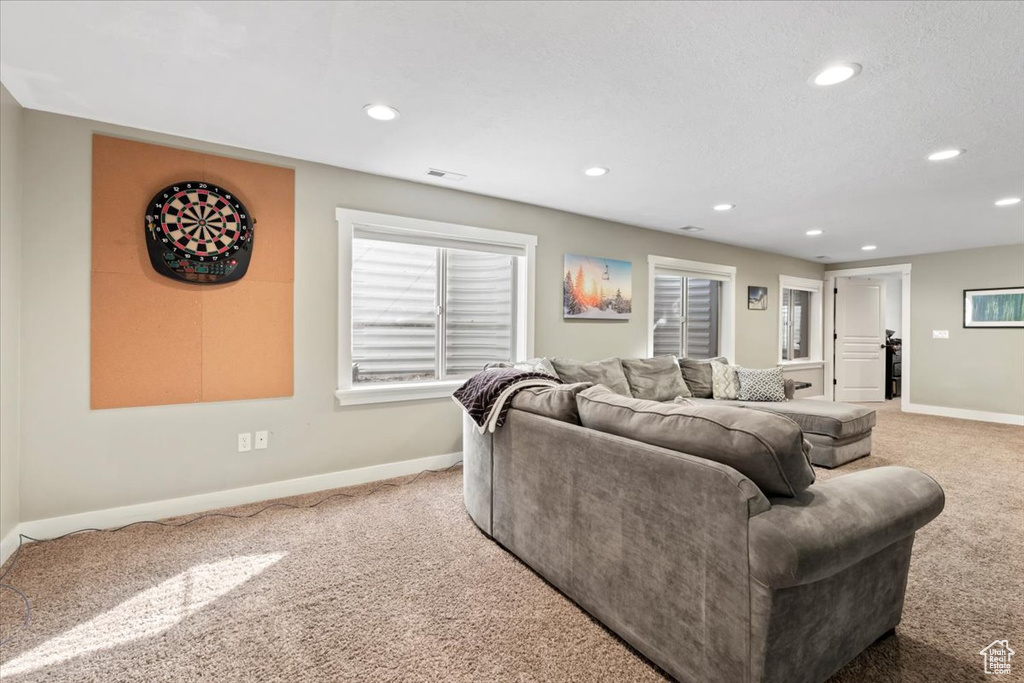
487	396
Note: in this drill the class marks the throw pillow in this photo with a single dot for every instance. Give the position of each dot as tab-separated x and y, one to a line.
607	372
765	447
558	403
725	382
697	375
655	379
762	385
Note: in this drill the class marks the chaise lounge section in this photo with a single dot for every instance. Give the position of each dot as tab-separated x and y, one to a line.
838	432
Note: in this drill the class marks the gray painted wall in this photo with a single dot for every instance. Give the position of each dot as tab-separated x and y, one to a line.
11	135
975	369
76	460
814	375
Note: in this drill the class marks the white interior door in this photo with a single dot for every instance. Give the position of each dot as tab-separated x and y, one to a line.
860	340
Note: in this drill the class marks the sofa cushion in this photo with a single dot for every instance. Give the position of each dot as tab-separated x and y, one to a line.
725	381
762	385
558	403
768	449
656	379
837	420
607	372
697	374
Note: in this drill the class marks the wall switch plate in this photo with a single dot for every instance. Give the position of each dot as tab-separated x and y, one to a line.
245	442
940	334
262	440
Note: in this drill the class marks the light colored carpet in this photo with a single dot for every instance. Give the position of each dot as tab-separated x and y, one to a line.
400	586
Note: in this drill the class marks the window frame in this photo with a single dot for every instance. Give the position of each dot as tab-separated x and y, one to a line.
703	271
445	235
815	357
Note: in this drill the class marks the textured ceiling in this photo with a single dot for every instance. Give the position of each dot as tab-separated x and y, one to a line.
690	104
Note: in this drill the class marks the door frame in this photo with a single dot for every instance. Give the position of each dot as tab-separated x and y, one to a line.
829	320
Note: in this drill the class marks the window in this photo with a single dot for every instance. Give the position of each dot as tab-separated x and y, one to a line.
799	320
796	324
686	316
430	304
692	313
409	301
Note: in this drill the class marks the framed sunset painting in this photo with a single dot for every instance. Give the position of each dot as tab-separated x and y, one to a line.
597	288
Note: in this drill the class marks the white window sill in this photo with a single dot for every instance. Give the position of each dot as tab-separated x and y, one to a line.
398	391
801	363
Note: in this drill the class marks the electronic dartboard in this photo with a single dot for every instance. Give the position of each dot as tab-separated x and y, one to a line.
198	232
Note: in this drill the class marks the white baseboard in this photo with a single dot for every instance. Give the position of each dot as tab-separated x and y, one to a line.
113	517
964	414
9	543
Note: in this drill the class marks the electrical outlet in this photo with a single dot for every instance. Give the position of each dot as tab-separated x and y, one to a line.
262	440
245	442
940	334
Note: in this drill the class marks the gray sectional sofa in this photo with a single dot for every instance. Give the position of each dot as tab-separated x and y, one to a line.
696	532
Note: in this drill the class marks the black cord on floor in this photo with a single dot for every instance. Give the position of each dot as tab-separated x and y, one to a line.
341	494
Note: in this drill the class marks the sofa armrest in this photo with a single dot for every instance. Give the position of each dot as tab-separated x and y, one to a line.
835	524
789	389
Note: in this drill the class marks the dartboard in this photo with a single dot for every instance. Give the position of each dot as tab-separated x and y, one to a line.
199	232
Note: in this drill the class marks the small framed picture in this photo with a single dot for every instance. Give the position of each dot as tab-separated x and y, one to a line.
995	308
757	298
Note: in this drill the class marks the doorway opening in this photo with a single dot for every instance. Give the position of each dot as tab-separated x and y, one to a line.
867	334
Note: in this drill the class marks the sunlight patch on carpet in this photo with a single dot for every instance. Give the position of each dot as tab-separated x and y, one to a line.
149	613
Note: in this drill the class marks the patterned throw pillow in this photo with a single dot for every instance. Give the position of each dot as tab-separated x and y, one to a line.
762	385
725	382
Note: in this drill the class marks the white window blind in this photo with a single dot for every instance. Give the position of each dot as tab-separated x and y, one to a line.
479	315
425	310
394	311
796	324
686	315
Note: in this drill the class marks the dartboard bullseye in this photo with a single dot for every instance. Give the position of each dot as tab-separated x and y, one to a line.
199	232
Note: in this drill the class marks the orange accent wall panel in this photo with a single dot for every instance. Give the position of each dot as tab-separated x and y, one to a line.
157	341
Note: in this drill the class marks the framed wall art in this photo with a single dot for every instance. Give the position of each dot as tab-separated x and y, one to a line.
597	288
994	308
757	298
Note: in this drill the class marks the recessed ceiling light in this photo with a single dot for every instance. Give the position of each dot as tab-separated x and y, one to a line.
945	154
814	233
869	247
596	171
381	112
1009	201
691	228
723	207
835	74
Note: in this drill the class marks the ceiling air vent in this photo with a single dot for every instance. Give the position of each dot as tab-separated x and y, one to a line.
445	175
691	228
821	257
